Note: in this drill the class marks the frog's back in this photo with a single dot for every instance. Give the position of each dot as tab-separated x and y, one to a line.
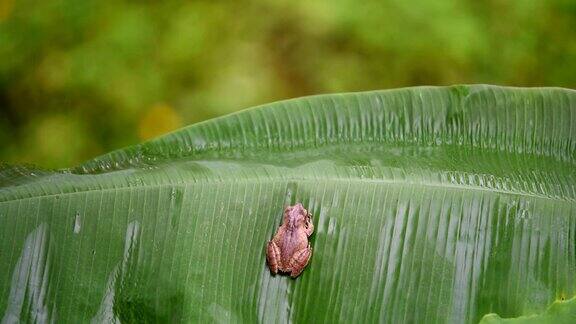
291	242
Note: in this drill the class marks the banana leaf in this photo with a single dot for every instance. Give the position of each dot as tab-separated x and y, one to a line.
430	204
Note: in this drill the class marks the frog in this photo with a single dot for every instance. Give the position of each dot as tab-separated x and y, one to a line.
289	250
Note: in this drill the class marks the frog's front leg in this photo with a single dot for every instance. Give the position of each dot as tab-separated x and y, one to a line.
273	256
299	261
309	229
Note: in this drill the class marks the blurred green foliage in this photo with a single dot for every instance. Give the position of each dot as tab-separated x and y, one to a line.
79	78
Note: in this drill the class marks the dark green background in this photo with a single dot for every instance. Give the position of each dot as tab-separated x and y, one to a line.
79	78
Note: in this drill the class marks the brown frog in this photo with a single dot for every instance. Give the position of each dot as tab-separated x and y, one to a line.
289	250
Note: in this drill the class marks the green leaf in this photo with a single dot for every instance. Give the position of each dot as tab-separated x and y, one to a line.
431	204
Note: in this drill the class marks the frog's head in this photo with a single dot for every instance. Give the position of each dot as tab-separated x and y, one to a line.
295	216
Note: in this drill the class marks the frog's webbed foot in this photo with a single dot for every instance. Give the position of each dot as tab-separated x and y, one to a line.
299	261
273	256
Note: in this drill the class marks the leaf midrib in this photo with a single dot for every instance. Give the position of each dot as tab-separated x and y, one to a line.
448	186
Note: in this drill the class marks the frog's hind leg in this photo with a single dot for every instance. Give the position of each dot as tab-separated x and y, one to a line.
273	256
299	261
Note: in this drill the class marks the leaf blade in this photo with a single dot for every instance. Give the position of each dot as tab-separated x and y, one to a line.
475	183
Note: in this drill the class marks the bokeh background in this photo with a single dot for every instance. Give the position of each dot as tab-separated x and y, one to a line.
82	77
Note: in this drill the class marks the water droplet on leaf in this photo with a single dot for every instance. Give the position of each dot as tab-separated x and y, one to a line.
77	223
